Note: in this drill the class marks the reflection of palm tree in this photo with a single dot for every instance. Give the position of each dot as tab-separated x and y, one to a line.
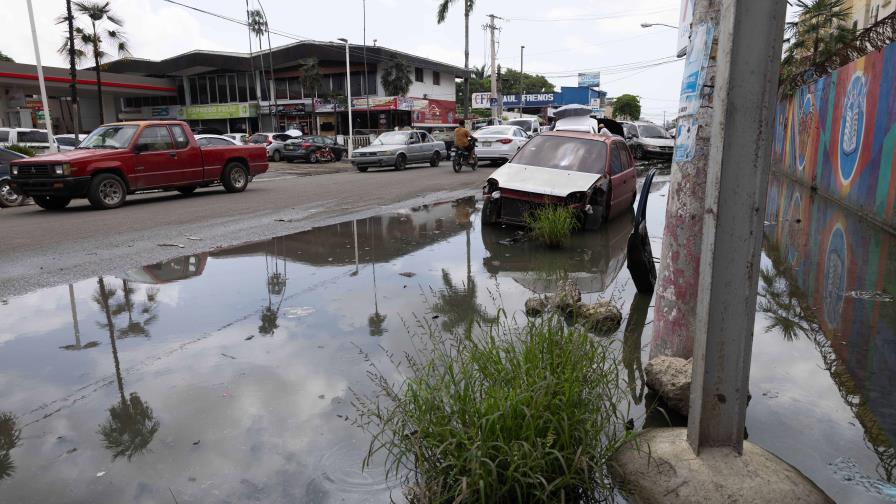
10	435
131	425
276	286
631	345
780	303
457	304
127	305
376	321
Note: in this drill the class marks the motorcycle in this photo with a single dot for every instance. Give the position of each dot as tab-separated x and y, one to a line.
322	155
461	158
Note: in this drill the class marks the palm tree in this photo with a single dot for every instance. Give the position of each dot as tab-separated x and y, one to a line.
127	305
310	75
258	25
818	32
92	40
441	15
276	286
396	78
478	72
6	58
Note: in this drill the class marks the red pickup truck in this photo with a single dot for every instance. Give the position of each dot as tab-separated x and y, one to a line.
123	158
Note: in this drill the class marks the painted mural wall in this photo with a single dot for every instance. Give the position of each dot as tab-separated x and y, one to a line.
839	134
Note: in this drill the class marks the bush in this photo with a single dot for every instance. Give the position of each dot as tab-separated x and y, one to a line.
552	224
516	414
21	149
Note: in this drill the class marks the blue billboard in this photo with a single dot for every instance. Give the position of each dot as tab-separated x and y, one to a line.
530	100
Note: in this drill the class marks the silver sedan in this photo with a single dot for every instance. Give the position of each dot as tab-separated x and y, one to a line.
398	149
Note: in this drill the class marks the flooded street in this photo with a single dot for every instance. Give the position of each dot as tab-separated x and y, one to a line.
225	376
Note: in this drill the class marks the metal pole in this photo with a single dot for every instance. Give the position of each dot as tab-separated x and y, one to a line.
366	91
254	77
348	89
275	115
522	93
494	93
76	109
748	59
48	121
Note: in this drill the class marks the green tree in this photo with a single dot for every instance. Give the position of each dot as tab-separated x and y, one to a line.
6	58
441	15
10	437
92	40
258	26
627	106
396	78
311	78
819	30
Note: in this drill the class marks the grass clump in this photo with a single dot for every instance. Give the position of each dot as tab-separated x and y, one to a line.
21	149
515	414
552	224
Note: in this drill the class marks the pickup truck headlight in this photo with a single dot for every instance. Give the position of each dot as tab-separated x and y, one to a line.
14	170
62	169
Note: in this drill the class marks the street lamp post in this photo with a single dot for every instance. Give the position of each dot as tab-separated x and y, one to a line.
40	78
522	80
348	90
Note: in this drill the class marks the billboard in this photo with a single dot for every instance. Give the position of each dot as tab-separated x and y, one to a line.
589	79
480	100
530	100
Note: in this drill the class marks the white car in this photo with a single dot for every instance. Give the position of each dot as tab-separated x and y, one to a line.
35	139
274	142
499	143
67	142
241	138
215	141
530	125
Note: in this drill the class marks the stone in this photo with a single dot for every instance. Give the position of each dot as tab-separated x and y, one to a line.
567	297
660	467
602	317
536	305
670	377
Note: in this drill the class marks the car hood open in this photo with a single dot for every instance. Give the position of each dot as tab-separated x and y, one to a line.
550	181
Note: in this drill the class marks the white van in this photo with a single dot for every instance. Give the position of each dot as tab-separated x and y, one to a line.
35	139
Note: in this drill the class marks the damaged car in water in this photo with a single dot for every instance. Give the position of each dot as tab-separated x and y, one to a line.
592	174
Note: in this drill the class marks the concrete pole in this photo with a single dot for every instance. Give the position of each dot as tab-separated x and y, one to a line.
675	300
348	90
522	92
749	55
76	109
48	121
494	93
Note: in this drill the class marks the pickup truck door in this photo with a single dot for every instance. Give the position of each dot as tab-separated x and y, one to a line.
155	159
188	158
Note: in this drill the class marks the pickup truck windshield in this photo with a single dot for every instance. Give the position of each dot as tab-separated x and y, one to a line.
109	137
564	153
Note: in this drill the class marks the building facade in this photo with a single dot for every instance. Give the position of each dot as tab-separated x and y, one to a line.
867	12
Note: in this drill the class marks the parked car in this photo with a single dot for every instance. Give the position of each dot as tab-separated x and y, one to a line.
241	138
124	158
215	141
592	174
67	141
648	140
476	124
204	130
307	148
531	126
398	149
35	139
9	197
499	143
274	143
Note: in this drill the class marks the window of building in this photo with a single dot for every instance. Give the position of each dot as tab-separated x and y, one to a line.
242	90
180	138
294	85
418	74
155	138
222	89
233	95
436	79
281	89
250	80
181	93
202	98
337	84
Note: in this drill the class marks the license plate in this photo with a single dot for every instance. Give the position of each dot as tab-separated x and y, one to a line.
289	147
486	144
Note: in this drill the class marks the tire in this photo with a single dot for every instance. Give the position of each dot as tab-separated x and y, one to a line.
8	197
276	156
401	162
475	163
362	169
639	152
107	191
435	159
337	156
313	159
456	163
235	177
51	202
187	190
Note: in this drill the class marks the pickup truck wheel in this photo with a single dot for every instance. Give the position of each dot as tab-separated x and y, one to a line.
8	197
106	191
435	159
401	162
52	202
235	177
187	190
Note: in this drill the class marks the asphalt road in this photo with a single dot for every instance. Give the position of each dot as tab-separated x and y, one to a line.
40	249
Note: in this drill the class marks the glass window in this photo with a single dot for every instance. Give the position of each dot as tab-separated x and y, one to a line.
155	138
222	89
180	138
337	83
564	153
436	78
651	131
357	84
33	136
213	142
418	74
258	138
392	138
202	98
233	94
281	89
66	141
242	90
109	137
616	160
212	89
4	136
294	85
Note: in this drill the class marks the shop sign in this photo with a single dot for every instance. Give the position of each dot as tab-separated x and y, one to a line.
286	109
589	79
225	111
531	100
433	112
322	106
375	103
34	104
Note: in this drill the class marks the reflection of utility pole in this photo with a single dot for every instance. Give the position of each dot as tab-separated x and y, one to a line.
355	233
522	91
494	96
71	299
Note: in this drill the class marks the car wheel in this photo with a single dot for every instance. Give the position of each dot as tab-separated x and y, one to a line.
639	152
401	162
187	190
52	202
107	191
435	159
235	177
362	169
338	156
276	156
8	197
313	158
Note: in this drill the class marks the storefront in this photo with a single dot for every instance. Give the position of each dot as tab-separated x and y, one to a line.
229	118
293	114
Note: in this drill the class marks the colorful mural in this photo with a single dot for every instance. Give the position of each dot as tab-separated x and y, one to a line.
839	134
845	270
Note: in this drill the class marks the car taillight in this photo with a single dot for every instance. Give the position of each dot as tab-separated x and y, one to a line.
306	145
269	142
505	141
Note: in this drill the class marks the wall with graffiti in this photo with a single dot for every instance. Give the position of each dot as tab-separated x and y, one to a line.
845	268
839	135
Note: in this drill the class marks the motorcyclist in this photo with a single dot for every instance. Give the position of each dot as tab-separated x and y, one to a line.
462	138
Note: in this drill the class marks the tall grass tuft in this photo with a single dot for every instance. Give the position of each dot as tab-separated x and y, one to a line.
518	413
552	224
21	149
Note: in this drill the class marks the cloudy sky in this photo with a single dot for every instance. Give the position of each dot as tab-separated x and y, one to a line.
562	37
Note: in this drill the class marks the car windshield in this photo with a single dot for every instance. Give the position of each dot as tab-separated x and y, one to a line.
392	138
109	137
564	153
496	130
651	131
522	123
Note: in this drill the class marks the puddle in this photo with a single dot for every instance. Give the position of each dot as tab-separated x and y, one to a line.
225	376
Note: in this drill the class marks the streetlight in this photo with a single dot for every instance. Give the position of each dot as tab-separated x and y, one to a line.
648	25
348	89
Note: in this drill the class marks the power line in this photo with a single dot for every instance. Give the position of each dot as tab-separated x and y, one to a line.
593	18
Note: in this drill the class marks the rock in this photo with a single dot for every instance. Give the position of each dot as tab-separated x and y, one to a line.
535	306
670	377
602	317
567	297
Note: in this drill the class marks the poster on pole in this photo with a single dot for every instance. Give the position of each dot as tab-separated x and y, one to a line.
685	16
685	138
695	69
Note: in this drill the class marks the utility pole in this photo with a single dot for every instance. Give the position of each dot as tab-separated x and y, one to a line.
76	112
494	95
254	76
272	88
48	121
522	92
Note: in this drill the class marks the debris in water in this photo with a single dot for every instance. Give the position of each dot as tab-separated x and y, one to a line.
302	311
321	396
194	238
408	274
517	237
870	295
848	471
178	245
771	394
247	338
435	317
228	356
196	442
100	474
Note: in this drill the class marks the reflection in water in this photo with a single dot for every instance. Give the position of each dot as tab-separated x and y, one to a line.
376	321
75	328
631	345
10	437
274	262
131	425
